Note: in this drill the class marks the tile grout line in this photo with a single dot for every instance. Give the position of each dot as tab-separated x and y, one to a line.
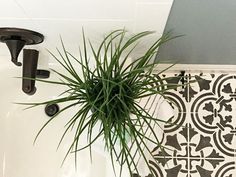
234	175
188	144
188	122
27	15
23	10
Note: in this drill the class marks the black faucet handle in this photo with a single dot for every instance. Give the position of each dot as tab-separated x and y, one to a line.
30	62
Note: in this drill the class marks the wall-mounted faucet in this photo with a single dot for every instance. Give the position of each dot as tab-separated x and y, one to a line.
16	39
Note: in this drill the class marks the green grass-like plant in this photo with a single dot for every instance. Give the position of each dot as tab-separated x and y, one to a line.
108	96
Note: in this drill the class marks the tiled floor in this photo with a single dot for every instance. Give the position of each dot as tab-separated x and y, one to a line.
202	138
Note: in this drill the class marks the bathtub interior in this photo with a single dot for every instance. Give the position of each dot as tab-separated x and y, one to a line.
19	157
19	128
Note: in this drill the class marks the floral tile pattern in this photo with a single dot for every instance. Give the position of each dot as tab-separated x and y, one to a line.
202	139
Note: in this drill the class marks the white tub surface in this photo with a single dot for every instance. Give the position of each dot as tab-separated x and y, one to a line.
18	128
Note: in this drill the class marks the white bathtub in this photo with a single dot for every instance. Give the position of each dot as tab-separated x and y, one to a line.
18	128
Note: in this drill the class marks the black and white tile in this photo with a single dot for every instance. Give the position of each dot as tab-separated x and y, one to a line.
202	137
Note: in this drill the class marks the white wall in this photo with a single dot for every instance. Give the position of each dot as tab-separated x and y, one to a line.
60	17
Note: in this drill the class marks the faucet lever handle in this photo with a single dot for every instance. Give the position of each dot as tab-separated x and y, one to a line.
30	62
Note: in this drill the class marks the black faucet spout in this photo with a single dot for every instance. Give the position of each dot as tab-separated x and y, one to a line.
15	46
30	62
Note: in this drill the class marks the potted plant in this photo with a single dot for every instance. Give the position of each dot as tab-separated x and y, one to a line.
108	96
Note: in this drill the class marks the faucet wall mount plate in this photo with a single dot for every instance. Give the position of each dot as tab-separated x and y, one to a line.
30	37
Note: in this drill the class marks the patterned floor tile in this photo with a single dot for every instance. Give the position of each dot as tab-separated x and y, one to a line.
226	170
213	112
201	140
178	99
